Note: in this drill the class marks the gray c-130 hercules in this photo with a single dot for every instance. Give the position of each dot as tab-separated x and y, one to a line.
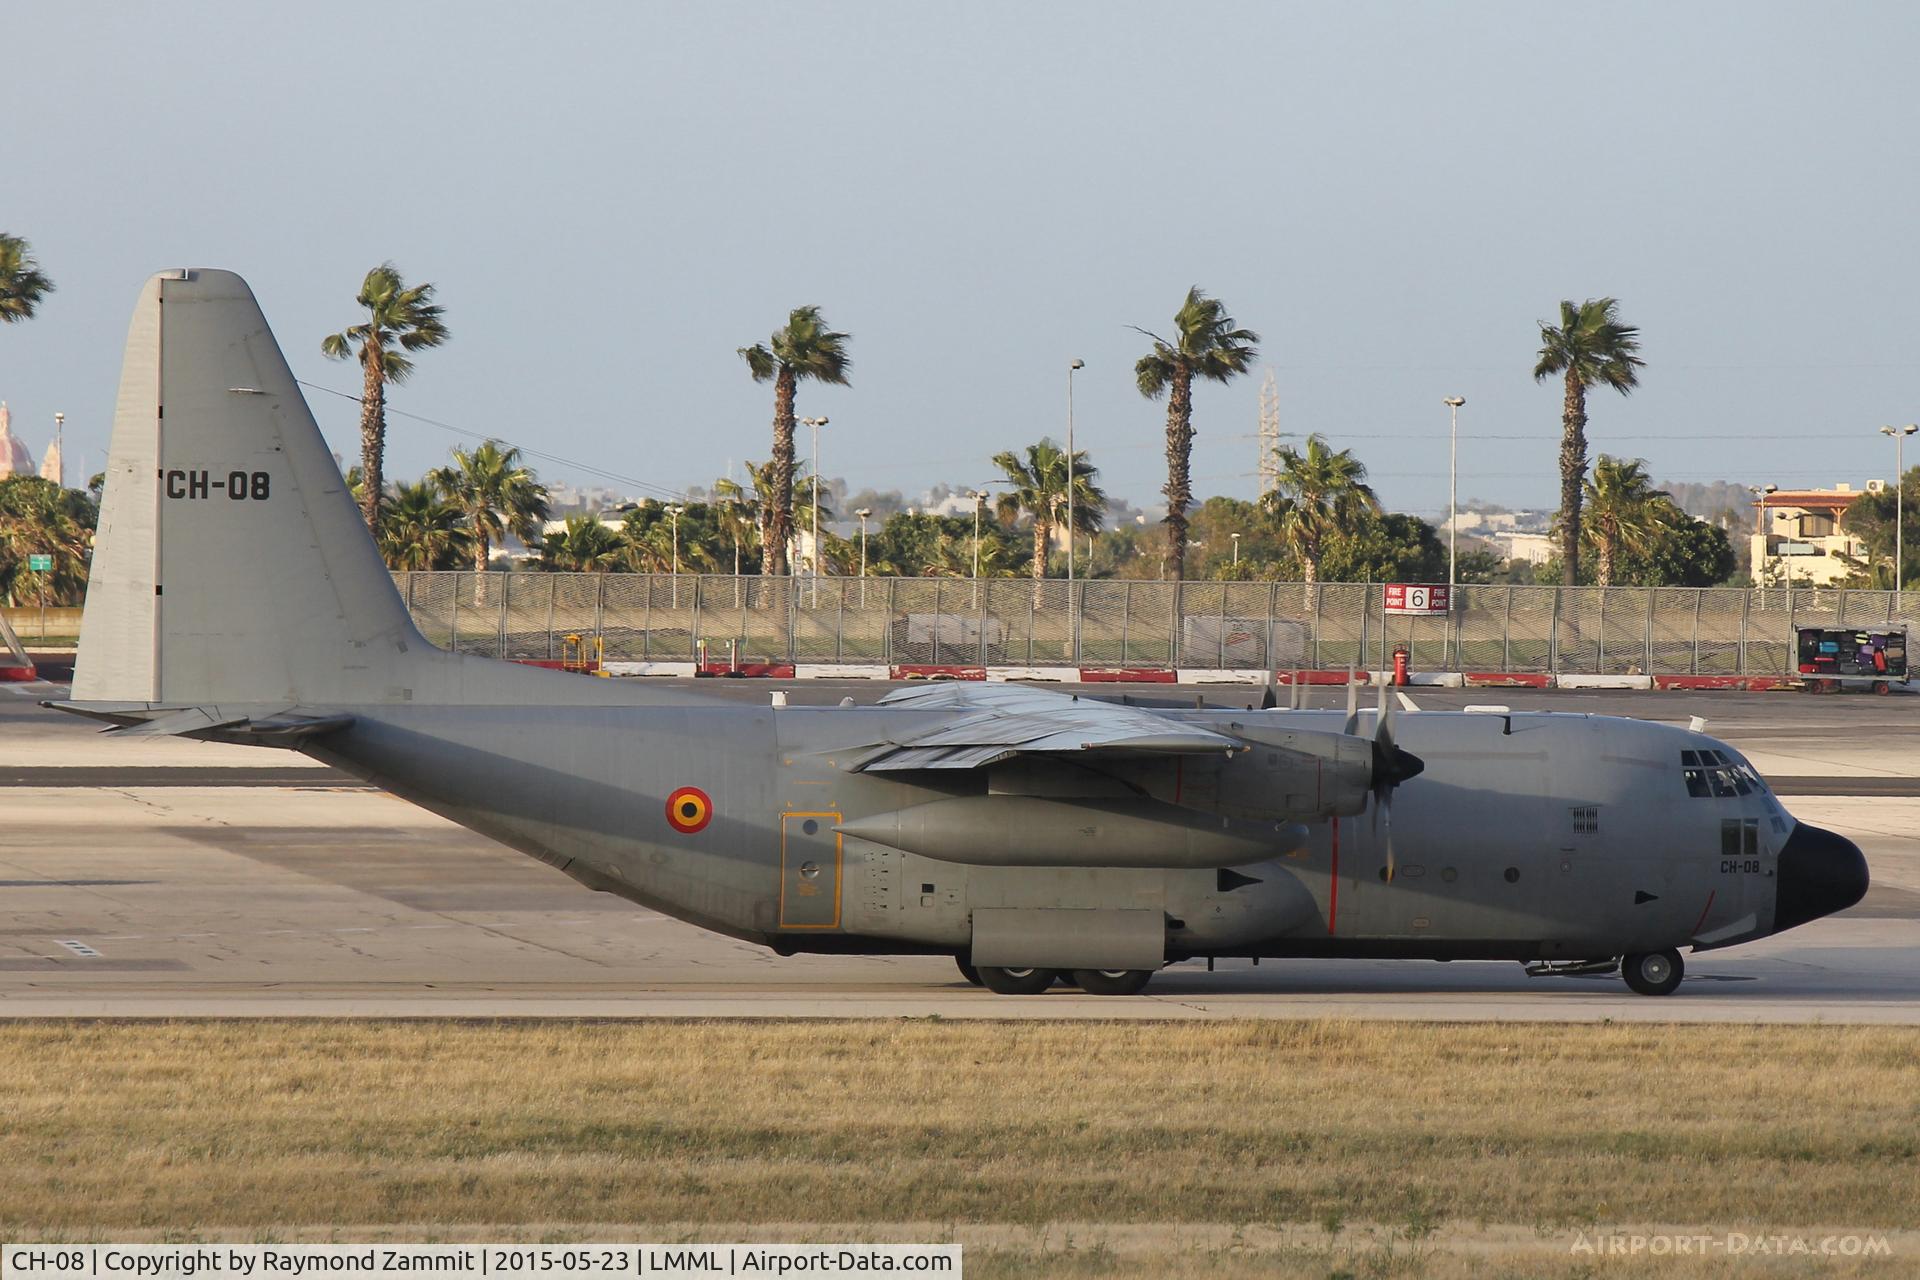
1031	834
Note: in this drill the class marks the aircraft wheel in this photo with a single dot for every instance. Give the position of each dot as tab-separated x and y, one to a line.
1015	982
1655	973
1112	982
967	971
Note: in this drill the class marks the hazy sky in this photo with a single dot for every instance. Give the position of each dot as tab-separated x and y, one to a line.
613	197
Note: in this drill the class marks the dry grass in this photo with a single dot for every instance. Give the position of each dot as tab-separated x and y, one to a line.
1425	1133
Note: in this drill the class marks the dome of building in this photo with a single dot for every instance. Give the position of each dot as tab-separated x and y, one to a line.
14	458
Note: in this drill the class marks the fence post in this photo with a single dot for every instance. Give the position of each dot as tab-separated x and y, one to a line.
1126	617
1553	633
1033	618
1746	611
1506	634
886	642
1699	594
600	608
1175	637
1366	613
1646	665
553	585
453	622
1791	646
506	603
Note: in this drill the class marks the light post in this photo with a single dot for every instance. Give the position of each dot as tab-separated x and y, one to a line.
863	513
1076	364
1899	435
59	476
1236	549
1453	403
1760	492
816	424
673	513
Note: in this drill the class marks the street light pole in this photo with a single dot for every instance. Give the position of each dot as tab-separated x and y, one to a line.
1077	364
673	513
60	448
816	424
1236	550
1899	435
863	513
1453	403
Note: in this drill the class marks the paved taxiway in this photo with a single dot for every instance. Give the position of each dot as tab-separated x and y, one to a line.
166	878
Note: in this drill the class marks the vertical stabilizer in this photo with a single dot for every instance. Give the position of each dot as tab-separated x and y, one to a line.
231	564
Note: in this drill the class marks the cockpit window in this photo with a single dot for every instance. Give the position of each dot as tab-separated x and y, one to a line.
1715	773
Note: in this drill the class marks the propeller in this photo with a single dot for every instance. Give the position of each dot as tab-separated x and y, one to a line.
1352	725
1391	767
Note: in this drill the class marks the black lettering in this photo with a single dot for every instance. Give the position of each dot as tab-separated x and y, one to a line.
261	483
197	484
176	484
237	485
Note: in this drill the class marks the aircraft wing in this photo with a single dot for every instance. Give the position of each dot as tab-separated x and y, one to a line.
994	721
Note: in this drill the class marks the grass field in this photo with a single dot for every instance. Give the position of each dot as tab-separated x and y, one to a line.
1213	1149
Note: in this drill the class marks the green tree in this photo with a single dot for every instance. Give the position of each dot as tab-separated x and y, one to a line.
1871	520
1039	493
22	283
1624	512
38	516
1589	347
1686	553
1321	493
1384	548
1206	345
496	496
582	545
420	529
804	348
401	319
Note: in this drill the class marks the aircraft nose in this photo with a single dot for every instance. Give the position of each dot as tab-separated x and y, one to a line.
1820	873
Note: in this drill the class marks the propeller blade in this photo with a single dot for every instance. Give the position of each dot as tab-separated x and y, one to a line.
1352	725
1267	700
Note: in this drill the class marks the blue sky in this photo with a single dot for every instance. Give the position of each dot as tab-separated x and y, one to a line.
614	197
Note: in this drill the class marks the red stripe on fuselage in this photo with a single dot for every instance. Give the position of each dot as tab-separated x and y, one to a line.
1703	912
1333	879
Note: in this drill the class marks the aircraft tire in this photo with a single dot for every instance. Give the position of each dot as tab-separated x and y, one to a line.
1653	973
1112	982
1015	982
967	971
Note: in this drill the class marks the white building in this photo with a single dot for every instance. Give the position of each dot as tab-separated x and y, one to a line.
14	458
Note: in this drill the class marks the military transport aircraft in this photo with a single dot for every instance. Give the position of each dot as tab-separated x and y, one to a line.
1033	835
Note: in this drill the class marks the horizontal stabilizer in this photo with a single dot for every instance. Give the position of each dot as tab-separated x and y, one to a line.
133	720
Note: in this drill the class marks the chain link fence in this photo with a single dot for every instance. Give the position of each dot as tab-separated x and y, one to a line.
1108	623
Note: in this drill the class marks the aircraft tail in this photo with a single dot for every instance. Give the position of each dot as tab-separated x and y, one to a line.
231	564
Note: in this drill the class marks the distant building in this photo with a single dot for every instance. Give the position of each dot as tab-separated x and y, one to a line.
14	458
51	465
1801	536
1534	548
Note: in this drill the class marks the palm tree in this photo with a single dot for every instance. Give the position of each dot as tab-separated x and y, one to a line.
1040	492
420	529
1210	347
1319	494
22	283
1624	512
496	496
1589	347
737	513
804	348
399	319
799	497
584	545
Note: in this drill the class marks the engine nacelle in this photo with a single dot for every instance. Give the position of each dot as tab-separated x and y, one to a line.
1284	775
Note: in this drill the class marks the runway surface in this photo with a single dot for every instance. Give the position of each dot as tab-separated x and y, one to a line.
168	878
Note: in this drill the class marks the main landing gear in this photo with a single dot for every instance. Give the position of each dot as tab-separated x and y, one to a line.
1031	982
1653	973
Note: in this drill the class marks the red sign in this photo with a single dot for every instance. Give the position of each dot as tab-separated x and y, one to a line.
1409	598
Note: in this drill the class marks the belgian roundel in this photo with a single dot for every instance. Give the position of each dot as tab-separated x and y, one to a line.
689	810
